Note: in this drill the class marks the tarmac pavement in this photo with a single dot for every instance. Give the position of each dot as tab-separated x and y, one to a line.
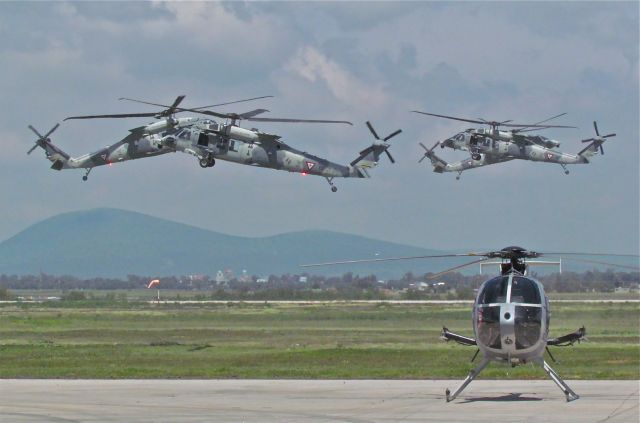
355	401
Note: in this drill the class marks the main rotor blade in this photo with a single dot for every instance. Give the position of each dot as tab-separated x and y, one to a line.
605	263
450	117
299	120
595	126
252	113
457	267
610	135
232	102
373	131
484	122
388	137
116	116
154	104
587	254
391	259
546	120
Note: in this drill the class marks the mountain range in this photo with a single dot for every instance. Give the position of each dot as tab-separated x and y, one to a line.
114	243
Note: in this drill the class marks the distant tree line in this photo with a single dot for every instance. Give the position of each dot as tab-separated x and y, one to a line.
305	286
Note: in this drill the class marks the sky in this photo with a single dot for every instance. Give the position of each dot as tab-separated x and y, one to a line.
353	61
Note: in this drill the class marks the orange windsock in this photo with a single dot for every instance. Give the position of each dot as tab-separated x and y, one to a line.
153	283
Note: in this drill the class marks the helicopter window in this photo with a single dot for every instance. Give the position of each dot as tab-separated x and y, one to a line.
487	141
233	146
460	137
494	291
524	290
185	135
528	325
488	320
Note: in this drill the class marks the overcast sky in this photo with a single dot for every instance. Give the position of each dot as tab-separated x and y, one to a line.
356	61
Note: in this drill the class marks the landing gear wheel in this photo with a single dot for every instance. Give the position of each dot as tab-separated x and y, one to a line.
334	189
566	172
84	178
211	162
476	156
203	163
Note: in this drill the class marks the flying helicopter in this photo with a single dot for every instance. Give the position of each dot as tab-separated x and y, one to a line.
209	140
491	145
511	313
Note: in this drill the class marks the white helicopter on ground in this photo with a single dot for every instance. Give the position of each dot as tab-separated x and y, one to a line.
209	140
511	312
491	145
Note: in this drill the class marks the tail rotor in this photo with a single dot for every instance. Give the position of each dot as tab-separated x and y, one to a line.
378	147
428	151
598	140
42	139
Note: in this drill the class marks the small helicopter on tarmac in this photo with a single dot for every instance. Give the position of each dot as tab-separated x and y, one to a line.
209	140
491	145
510	314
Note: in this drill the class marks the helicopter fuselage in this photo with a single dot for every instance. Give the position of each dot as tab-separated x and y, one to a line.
209	141
511	319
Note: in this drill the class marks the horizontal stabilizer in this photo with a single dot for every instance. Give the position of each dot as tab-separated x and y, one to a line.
450	336
569	339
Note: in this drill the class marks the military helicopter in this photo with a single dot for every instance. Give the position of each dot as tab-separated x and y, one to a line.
491	145
209	140
511	312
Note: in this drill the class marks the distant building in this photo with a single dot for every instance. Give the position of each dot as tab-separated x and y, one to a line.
221	278
302	279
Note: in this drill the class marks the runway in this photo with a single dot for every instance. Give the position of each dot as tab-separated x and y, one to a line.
355	401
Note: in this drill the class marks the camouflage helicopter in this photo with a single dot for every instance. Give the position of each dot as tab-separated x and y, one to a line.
491	145
510	314
209	140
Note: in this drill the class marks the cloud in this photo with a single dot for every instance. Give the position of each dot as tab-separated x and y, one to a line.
310	64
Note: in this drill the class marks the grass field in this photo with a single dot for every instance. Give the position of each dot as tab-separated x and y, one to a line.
291	341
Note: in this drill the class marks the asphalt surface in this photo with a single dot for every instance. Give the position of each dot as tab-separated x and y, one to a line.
355	401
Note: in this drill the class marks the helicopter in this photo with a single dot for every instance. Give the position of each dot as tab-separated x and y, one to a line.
491	145
511	313
209	140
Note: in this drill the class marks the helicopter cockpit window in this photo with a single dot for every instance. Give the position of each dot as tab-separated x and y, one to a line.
494	291
185	134
460	137
528	322
489	326
524	290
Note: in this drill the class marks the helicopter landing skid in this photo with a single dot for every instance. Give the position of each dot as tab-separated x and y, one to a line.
472	375
561	384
